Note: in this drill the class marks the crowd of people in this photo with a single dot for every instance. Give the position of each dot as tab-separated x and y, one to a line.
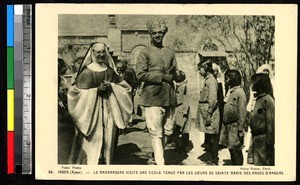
99	101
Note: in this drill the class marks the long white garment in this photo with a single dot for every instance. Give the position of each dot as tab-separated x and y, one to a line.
160	122
95	121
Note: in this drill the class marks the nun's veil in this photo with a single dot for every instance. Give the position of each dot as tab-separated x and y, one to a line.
268	68
89	58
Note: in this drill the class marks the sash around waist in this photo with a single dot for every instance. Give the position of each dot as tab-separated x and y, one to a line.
158	85
159	71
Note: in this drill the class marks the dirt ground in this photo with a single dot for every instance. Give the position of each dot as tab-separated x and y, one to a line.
134	147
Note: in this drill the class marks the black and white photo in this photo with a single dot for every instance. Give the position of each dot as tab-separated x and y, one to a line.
180	94
155	47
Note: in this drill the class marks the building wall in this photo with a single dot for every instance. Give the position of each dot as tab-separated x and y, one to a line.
70	48
114	36
128	36
133	38
82	25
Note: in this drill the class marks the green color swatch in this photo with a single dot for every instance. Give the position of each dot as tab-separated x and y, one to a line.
10	68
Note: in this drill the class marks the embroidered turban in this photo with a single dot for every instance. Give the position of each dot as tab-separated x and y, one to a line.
157	23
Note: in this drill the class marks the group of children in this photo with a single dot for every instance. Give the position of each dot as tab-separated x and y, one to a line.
224	120
223	114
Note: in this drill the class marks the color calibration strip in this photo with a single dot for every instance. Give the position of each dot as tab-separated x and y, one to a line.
19	55
10	89
18	87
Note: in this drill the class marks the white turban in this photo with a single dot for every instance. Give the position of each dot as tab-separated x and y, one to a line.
157	23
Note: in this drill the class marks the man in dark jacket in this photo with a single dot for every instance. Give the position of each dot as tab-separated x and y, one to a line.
157	68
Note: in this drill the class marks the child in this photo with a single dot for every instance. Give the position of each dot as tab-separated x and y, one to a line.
182	114
232	135
267	69
262	122
65	124
208	116
221	92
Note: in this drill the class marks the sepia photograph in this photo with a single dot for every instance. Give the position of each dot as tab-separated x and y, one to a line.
180	94
191	85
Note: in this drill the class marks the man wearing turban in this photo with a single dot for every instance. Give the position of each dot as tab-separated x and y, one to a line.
98	103
157	68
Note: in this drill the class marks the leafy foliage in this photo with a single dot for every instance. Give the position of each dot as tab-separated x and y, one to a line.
250	38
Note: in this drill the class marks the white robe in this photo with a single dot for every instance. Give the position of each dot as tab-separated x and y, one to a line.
95	121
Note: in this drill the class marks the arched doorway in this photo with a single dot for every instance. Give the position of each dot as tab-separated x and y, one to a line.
134	53
214	50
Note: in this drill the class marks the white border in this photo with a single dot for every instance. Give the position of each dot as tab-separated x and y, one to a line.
46	94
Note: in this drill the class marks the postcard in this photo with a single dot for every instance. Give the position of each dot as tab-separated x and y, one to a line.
175	92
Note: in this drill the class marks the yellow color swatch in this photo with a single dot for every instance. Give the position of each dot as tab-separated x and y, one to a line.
10	109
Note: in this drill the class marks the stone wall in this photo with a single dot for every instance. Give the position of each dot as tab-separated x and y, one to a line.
82	25
187	62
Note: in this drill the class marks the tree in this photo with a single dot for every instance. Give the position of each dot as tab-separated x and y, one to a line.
251	38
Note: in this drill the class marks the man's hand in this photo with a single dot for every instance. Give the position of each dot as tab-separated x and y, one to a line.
208	120
167	78
179	76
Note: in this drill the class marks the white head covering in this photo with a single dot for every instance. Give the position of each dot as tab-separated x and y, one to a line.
216	67
220	77
252	99
160	23
266	67
90	57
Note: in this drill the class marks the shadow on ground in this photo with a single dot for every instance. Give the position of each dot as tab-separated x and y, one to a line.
189	147
227	162
174	157
128	154
205	157
66	134
132	129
